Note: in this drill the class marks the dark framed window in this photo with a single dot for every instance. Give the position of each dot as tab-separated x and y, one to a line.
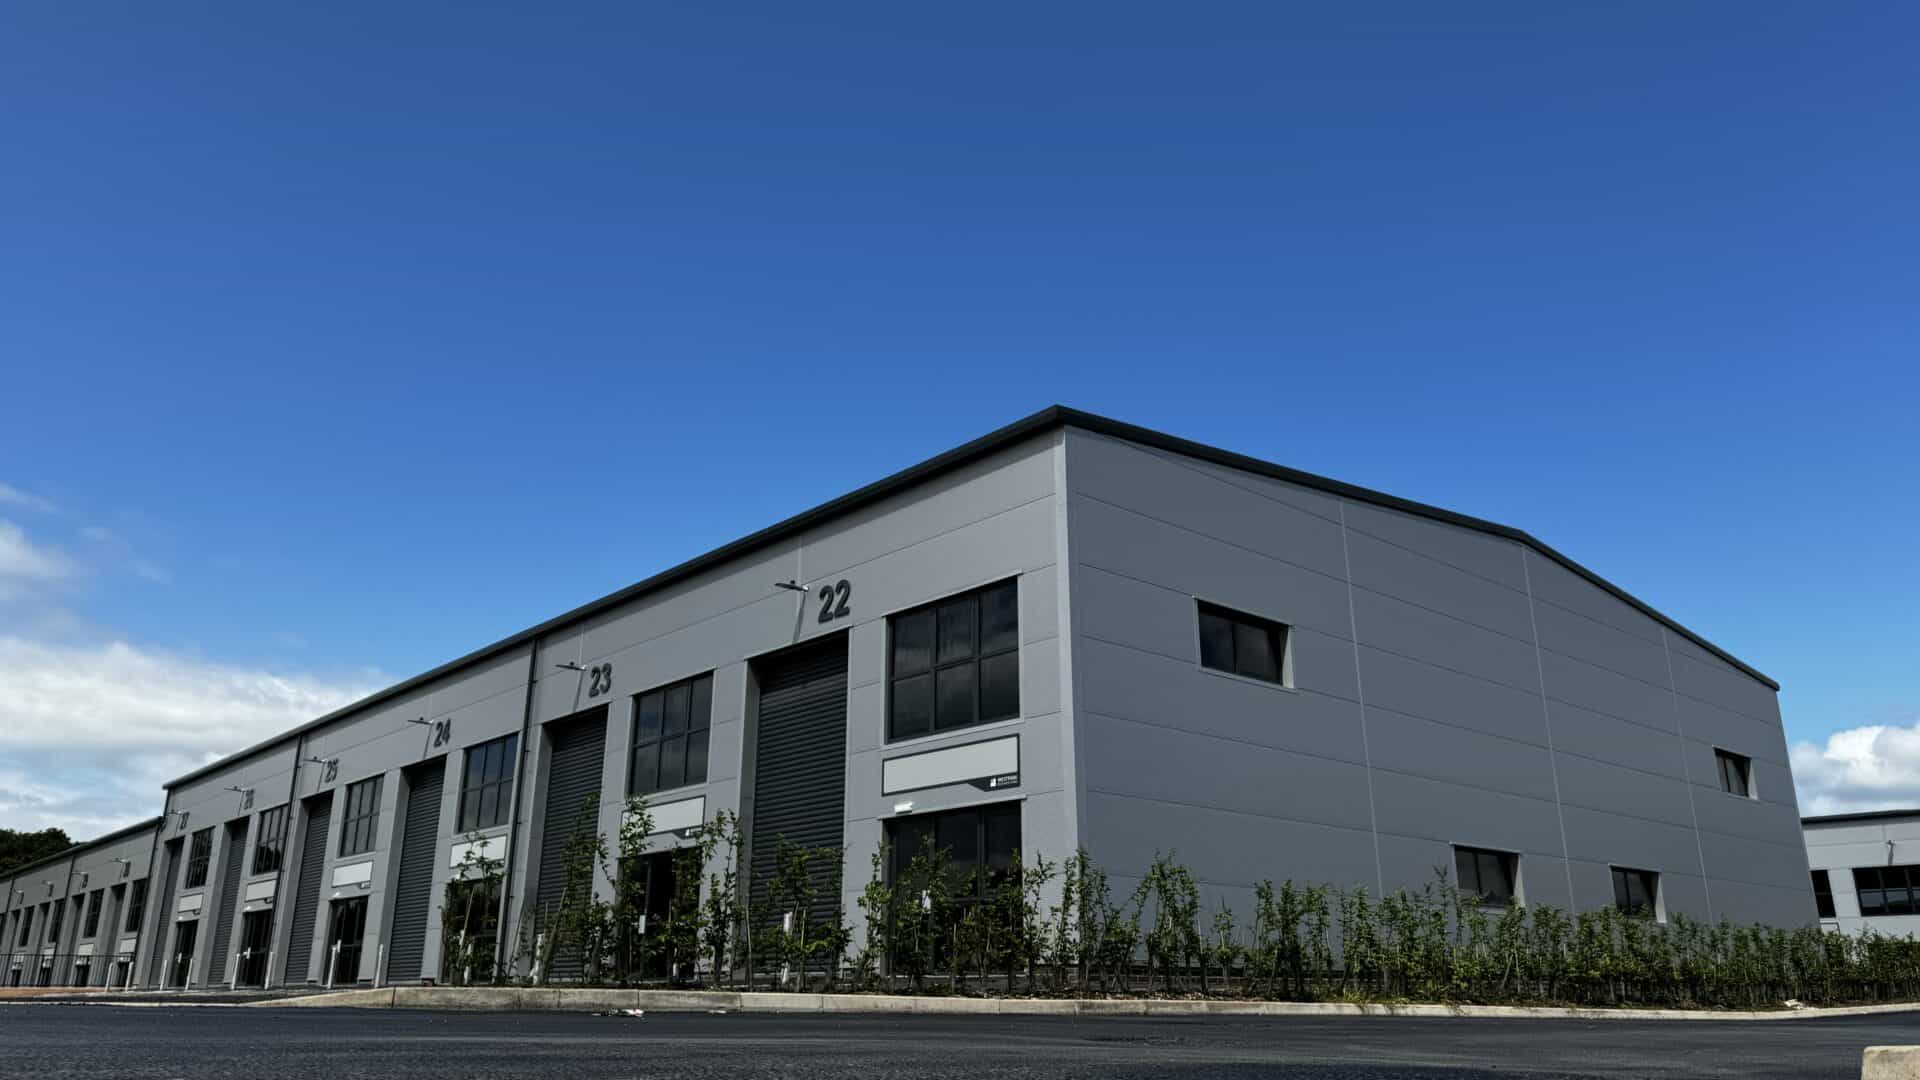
671	725
981	843
92	925
1887	890
470	929
486	788
1242	644
1823	894
1736	773
136	907
362	816
269	845
55	910
955	662
25	916
199	850
1636	892
1486	874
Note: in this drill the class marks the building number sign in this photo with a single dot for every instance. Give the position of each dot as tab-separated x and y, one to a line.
442	731
599	680
833	600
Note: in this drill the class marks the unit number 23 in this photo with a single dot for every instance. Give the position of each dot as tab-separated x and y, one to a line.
833	600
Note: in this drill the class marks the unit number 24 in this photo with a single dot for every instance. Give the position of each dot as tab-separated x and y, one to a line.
833	600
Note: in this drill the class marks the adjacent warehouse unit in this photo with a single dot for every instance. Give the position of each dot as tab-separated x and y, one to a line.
1070	633
1866	870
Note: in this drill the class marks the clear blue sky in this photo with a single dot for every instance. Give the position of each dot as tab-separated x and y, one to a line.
374	335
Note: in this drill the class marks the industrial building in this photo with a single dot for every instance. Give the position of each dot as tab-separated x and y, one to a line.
1069	633
1866	870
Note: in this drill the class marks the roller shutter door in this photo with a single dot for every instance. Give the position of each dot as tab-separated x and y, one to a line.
573	778
232	862
800	764
306	893
163	922
413	894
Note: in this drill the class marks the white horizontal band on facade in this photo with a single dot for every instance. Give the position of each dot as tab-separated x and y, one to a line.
261	890
679	814
954	765
493	848
353	874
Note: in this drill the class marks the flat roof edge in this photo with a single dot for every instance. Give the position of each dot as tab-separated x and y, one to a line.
1047	419
70	852
1859	815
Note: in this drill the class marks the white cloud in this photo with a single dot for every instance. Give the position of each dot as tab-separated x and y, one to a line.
1876	767
21	558
88	733
13	496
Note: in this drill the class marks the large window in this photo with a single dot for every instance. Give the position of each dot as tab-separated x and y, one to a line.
670	730
1823	894
1488	875
136	907
54	911
1888	890
92	925
486	790
25	915
198	851
269	845
1636	892
981	845
1242	644
1736	772
362	817
955	663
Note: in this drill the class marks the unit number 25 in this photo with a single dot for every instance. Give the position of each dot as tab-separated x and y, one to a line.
833	600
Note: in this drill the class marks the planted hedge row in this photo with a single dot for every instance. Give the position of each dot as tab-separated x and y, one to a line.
1061	928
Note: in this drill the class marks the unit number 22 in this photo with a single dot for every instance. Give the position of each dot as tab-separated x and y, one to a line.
833	600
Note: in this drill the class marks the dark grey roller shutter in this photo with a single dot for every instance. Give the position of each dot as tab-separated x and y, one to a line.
306	893
231	863
413	894
573	778
163	921
800	764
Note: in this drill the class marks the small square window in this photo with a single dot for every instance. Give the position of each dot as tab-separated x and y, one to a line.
1823	894
1736	773
1489	875
1242	644
1636	892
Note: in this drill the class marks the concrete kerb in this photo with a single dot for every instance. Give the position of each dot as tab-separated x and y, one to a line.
608	1000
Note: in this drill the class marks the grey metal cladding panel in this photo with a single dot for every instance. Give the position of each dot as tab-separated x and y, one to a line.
1609	738
1119	540
1121	757
1600	836
1457	814
1424	748
1039	595
1140	686
983	490
1492	557
1555	583
1598	785
1303	498
306	902
1123	833
232	862
1167	489
1684	894
1580	683
413	890
1732	731
1413	862
1756	862
1402	628
1845	857
1381	567
1421	689
1767	905
1727	689
1755	819
1576	635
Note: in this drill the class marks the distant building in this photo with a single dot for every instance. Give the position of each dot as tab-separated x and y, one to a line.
1866	870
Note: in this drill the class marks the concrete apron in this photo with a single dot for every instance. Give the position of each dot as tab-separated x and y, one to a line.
1890	1063
511	998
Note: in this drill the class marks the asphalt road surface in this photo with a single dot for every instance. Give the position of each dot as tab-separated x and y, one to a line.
50	1040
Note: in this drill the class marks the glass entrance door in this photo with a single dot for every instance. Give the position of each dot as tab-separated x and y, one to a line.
183	941
347	926
256	933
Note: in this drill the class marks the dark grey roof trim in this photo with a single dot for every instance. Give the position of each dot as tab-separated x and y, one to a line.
98	841
1043	421
1863	815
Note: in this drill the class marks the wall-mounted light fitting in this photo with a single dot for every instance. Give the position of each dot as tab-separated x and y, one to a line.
237	789
311	760
791	586
569	666
422	721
